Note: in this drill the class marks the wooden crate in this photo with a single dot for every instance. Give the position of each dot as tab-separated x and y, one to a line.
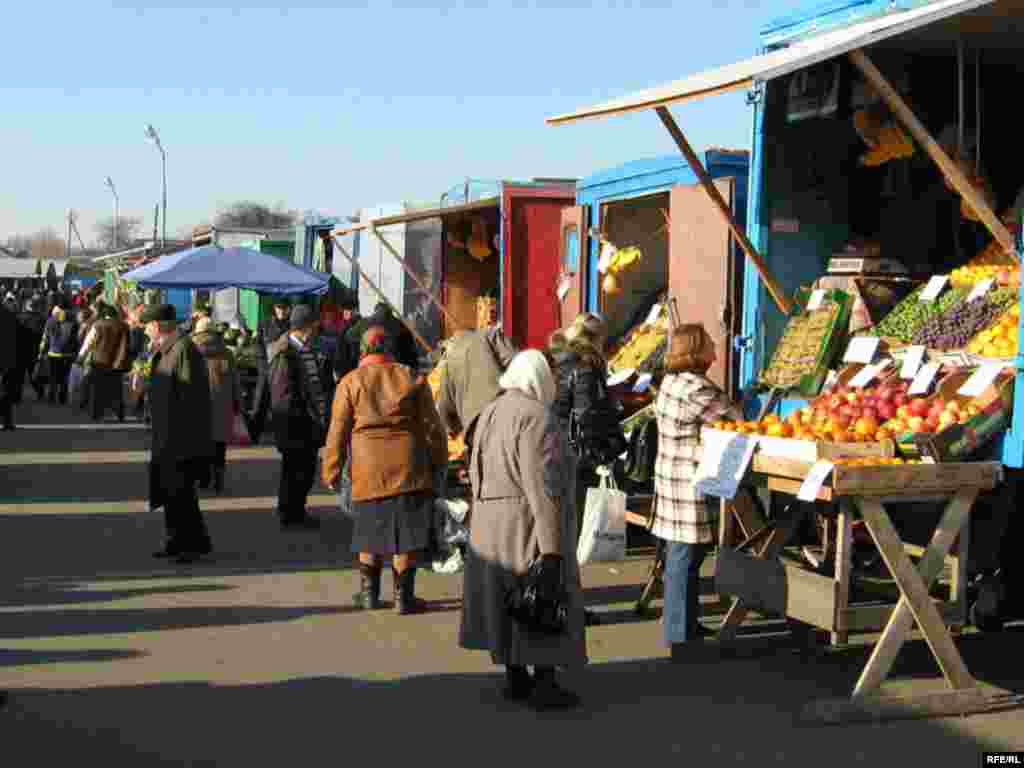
785	475
813	450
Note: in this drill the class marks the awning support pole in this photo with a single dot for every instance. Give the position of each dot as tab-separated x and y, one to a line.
709	186
382	297
409	271
949	169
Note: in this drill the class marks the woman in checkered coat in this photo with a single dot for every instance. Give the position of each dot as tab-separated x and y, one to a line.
683	518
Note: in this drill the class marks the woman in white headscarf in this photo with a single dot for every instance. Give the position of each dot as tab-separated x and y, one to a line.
522	511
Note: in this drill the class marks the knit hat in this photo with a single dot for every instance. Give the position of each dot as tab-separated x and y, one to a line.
302	315
158	313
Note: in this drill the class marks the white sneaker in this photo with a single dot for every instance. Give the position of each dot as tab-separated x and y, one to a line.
151	508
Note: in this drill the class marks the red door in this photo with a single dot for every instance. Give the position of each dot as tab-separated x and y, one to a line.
532	226
706	273
573	251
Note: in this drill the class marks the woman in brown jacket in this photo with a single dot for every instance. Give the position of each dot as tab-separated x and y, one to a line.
384	418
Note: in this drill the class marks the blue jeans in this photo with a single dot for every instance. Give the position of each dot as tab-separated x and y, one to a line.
682	590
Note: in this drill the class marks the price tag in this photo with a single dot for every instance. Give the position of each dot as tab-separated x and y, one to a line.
724	462
816	478
815	301
912	362
643	383
980	380
934	288
861	350
867	374
654	314
980	289
830	381
563	288
927	460
923	380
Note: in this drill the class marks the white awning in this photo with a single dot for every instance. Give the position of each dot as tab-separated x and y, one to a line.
785	61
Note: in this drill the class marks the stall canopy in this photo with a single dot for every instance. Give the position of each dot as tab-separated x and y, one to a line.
767	66
212	268
850	41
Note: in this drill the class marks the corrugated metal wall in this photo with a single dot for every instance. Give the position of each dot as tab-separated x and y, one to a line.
423	255
379	265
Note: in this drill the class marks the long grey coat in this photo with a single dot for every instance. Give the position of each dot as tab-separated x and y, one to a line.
523	506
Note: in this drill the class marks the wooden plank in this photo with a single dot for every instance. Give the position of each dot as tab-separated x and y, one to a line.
771	586
915	591
411	273
872	618
380	295
949	169
778	466
866	709
776	292
813	450
915	478
792	488
958	584
841	578
748	515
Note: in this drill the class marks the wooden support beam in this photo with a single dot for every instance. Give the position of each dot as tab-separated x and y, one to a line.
408	270
697	167
949	169
382	297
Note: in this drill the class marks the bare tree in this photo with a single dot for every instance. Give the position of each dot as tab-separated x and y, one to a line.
128	229
246	213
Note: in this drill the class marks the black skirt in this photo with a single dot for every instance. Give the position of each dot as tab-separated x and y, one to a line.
395	525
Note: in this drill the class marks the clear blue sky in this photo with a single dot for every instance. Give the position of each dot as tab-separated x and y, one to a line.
333	108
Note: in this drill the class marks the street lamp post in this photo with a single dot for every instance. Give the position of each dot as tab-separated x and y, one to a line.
152	135
117	213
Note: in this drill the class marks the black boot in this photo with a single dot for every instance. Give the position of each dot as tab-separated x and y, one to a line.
548	695
406	601
518	683
368	596
218	480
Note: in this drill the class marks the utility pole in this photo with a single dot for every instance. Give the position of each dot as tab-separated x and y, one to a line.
156	221
67	242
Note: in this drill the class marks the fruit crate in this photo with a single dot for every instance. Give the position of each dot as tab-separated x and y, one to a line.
961	441
814	362
815	450
889	480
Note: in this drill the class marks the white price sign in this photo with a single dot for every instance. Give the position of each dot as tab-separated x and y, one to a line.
934	288
643	383
815	301
861	350
923	380
980	380
654	314
724	463
912	362
868	373
816	478
980	289
563	288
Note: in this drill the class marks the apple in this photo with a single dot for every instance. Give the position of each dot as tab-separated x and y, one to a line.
932	422
886	393
836	401
903	412
915	424
946	420
953	406
962	417
870	414
936	410
886	411
853	397
899	399
918	407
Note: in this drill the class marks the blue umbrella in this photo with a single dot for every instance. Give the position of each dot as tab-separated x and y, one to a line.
210	268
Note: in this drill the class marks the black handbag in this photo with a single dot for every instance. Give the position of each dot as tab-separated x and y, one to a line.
532	611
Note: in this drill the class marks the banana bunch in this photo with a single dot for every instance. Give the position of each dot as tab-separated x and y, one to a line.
892	144
624	259
614	261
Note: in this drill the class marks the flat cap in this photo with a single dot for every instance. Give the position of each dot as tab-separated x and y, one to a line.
282	301
161	313
302	315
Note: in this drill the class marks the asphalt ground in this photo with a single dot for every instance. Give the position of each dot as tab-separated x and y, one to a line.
255	656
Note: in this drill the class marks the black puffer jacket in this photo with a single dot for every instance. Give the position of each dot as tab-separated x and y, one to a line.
583	399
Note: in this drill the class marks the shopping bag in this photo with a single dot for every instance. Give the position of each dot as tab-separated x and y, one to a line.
239	434
603	534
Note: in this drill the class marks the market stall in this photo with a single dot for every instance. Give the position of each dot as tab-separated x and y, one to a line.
499	255
881	323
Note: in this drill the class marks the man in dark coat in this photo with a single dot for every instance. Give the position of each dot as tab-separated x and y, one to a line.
182	446
32	324
345	357
275	326
406	349
269	331
9	366
300	404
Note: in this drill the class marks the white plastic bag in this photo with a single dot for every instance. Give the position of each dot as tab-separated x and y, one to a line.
603	536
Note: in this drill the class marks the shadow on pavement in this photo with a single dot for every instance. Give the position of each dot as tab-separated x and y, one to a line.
56	548
66	593
720	714
107	621
20	657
